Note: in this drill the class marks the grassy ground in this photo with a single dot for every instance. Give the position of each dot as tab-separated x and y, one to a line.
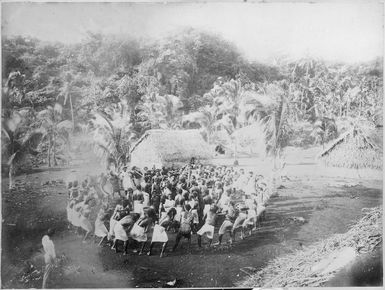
329	203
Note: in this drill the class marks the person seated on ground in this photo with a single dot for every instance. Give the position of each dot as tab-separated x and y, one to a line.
185	227
160	234
227	225
208	227
141	227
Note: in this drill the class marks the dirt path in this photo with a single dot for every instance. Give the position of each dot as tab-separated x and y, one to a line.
328	205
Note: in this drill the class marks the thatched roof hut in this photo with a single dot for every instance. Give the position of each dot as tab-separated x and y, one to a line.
167	147
355	149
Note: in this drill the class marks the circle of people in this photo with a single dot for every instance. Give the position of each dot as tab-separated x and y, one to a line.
189	200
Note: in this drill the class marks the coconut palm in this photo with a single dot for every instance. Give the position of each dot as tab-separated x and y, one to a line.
113	135
55	131
204	119
17	140
66	92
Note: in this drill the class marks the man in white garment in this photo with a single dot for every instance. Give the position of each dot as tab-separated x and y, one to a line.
126	178
242	180
49	255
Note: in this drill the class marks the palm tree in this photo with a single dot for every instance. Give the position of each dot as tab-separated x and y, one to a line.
17	140
66	94
53	129
204	118
113	135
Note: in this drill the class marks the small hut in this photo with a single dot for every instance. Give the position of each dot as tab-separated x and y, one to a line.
355	149
167	147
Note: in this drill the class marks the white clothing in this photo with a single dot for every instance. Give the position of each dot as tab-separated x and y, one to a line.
120	233
112	225
206	209
159	234
138	233
208	230
178	215
146	199
85	223
49	250
138	206
126	180
100	228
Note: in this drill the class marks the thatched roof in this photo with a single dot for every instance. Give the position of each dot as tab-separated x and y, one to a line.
355	149
169	146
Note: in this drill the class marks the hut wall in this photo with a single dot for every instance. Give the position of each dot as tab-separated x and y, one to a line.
146	155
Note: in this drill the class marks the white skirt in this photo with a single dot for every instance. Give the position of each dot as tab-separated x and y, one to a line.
85	223
76	218
120	233
208	230
159	234
100	229
178	215
206	209
138	234
112	225
138	207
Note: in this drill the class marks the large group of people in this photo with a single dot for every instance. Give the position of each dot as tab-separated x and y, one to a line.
139	208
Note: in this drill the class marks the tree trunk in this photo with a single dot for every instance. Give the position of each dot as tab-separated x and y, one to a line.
10	174
53	151
72	114
347	108
49	153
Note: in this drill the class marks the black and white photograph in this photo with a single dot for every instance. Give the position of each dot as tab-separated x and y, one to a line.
170	144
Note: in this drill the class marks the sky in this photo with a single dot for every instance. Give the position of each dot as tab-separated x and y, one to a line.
262	31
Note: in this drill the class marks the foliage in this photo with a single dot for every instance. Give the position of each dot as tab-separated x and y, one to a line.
55	133
190	79
325	129
17	140
112	135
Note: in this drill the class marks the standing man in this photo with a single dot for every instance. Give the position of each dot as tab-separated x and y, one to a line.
49	255
126	179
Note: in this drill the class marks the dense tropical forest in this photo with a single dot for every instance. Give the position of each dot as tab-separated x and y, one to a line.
115	88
